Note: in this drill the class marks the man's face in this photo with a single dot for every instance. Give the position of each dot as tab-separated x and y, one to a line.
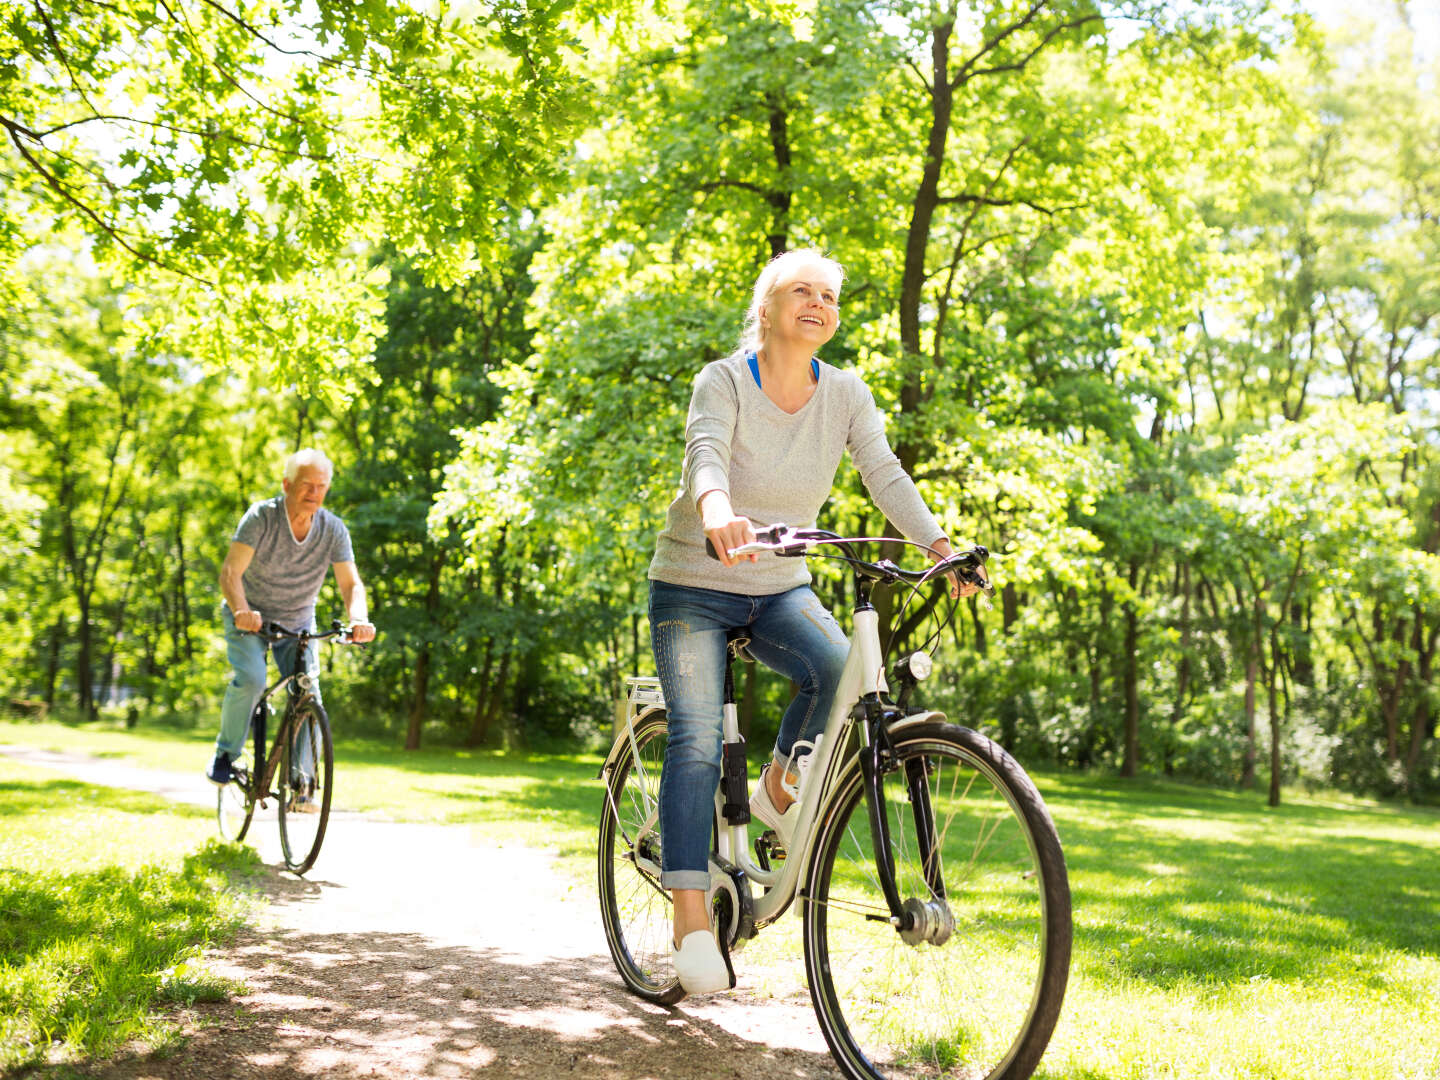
307	491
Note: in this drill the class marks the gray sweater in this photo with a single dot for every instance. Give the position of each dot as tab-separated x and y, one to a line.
777	467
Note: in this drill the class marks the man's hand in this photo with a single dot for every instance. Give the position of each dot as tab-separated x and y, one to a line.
248	620
362	632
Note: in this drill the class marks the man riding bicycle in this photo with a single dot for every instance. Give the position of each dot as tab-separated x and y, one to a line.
273	573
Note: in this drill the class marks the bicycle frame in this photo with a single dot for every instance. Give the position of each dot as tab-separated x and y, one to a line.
862	682
301	678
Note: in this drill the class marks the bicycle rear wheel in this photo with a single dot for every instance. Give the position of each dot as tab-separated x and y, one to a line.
636	911
976	989
304	782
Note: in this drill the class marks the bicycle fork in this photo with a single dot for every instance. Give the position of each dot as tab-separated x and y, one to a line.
916	919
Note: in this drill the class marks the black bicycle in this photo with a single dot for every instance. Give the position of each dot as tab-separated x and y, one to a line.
298	771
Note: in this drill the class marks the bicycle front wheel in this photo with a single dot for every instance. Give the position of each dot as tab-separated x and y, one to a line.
235	801
636	911
305	785
972	987
235	806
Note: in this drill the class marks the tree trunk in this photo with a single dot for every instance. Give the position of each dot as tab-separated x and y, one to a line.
1422	725
1247	768
420	687
52	661
1182	671
479	719
1272	679
1130	764
779	196
183	646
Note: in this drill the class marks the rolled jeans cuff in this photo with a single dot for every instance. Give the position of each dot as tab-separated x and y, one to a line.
685	879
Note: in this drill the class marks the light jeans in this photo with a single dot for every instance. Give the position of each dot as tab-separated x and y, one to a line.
246	654
792	633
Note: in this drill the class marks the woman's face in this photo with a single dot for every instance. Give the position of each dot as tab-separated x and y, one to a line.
804	307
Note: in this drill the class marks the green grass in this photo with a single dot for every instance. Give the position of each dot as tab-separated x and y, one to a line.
540	800
1215	938
106	898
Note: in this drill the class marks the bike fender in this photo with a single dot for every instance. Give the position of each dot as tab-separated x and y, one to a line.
930	716
622	739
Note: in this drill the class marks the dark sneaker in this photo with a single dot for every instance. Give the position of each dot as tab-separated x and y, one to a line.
219	772
304	800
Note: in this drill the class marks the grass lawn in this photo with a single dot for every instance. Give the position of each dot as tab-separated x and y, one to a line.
106	898
1214	937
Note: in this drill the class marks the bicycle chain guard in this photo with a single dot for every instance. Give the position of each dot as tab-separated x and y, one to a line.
729	879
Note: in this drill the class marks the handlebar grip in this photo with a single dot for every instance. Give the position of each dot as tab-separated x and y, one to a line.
710	550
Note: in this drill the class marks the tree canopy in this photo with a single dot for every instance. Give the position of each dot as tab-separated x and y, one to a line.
1149	295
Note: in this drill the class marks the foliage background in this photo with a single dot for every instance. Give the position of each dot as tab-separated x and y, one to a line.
1148	292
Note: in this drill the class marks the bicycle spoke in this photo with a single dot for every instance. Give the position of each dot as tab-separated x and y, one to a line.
965	1001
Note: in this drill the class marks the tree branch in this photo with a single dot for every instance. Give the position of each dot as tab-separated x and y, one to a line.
220	134
1055	31
986	200
54	183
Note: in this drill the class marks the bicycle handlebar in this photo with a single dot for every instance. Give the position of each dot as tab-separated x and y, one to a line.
274	632
786	542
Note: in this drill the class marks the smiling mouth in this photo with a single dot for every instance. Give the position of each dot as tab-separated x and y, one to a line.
812	320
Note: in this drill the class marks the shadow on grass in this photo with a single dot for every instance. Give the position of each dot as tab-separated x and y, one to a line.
1175	885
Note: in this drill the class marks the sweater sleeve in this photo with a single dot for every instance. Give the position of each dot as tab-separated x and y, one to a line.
885	479
714	405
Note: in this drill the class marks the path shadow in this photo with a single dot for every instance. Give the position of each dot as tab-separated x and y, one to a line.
396	1005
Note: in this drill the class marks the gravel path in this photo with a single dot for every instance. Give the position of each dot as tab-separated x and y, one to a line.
413	951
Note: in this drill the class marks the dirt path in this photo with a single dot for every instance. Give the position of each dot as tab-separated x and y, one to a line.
412	951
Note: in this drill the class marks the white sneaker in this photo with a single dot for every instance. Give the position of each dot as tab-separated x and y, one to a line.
699	964
763	808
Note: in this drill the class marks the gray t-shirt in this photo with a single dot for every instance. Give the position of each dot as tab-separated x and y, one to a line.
777	467
285	574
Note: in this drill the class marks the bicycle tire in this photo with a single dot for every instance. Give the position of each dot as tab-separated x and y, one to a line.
234	808
636	911
982	1002
235	801
302	831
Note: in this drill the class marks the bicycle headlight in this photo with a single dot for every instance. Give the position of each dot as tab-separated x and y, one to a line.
920	665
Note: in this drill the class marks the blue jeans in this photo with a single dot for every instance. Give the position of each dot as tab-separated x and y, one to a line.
790	632
246	654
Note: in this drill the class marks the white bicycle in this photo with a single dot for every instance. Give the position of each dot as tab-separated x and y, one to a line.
932	885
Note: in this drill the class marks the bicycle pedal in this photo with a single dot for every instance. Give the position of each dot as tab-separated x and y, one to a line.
768	848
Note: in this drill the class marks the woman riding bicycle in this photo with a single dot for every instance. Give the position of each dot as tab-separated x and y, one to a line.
767	427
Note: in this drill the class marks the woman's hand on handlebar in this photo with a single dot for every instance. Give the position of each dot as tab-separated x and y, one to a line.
361	632
249	621
940	551
724	528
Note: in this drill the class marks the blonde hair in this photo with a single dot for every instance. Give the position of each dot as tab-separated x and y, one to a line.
301	458
751	332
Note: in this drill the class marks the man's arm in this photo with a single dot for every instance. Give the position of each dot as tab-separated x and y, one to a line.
352	593
232	585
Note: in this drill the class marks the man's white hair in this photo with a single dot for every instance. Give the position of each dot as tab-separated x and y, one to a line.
301	458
